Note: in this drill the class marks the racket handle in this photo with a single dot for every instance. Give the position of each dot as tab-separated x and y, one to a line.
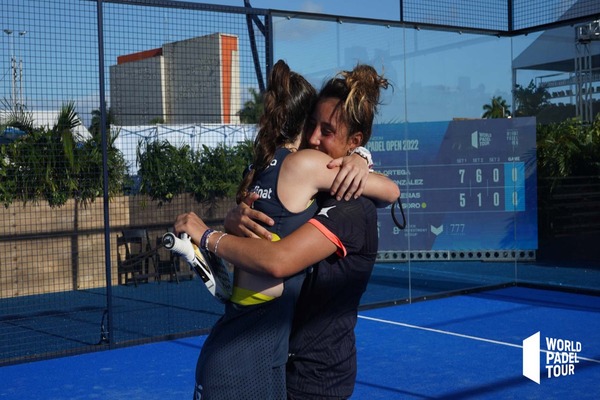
184	246
207	266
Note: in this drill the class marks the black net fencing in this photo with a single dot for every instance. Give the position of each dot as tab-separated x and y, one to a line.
116	116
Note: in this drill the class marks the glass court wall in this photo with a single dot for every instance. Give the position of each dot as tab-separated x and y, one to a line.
470	193
437	78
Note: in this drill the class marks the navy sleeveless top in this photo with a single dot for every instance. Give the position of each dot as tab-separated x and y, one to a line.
265	184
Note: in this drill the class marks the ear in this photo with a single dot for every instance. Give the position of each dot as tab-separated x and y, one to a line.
356	140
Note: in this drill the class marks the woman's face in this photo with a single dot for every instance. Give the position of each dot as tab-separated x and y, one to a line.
326	133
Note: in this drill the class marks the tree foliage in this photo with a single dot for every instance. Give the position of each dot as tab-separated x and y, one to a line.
165	170
42	163
253	108
497	109
530	100
218	171
18	118
97	118
568	148
56	164
208	175
91	171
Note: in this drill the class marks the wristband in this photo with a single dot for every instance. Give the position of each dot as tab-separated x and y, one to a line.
205	237
364	153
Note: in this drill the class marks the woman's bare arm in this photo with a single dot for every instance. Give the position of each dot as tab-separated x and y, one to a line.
306	172
311	168
302	248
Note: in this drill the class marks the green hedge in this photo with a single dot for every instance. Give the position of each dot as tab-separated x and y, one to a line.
55	165
208	174
568	148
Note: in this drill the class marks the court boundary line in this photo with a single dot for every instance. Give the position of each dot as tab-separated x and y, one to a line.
423	328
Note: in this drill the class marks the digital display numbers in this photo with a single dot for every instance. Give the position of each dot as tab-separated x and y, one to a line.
464	184
473	187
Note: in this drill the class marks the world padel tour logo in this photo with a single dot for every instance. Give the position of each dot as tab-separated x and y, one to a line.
560	357
480	139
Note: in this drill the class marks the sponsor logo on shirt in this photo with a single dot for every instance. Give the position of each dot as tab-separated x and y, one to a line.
263	193
323	211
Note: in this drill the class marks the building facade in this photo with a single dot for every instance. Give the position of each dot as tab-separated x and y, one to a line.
186	82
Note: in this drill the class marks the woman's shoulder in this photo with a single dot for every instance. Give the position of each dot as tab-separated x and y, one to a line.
307	166
309	155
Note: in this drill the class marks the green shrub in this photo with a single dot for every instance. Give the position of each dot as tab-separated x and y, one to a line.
165	170
568	148
208	175
55	164
218	171
91	173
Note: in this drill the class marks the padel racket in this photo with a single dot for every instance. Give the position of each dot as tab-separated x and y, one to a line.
210	268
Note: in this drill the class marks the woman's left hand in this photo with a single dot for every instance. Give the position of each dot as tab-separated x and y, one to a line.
352	177
243	220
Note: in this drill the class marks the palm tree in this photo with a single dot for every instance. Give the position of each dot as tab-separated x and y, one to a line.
96	117
253	108
44	161
64	130
568	148
498	108
16	118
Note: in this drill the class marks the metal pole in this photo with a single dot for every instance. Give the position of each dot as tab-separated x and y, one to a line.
104	134
20	57
13	68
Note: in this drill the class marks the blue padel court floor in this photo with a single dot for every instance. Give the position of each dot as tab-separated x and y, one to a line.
460	347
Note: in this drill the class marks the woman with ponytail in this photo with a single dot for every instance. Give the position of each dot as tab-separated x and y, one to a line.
245	355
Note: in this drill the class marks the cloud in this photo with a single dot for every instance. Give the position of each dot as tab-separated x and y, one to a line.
296	29
312	7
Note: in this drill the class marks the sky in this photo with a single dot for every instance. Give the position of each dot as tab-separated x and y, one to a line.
436	75
386	9
44	50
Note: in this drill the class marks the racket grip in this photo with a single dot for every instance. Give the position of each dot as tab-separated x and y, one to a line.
184	246
207	266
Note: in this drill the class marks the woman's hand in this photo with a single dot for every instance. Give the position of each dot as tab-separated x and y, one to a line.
352	177
191	224
241	220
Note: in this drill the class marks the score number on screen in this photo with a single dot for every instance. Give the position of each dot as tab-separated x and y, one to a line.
492	187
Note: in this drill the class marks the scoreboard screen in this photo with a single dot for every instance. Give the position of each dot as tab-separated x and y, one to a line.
465	184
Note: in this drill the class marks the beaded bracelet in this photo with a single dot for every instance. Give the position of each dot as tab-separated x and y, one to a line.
205	237
208	238
217	244
364	153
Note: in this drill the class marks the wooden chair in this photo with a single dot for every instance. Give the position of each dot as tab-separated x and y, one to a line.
134	253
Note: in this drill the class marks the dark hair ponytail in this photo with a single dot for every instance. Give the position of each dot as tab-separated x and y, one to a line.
287	101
